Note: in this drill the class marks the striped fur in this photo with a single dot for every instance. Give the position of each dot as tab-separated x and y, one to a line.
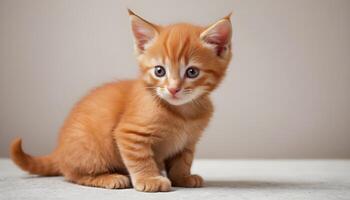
125	133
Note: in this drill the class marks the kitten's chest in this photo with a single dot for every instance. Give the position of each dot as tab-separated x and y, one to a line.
175	138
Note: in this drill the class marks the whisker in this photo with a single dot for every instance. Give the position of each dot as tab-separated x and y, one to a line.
150	87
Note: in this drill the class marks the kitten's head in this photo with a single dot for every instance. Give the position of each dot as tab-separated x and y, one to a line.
182	62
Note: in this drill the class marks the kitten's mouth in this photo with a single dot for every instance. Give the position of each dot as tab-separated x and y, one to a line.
176	99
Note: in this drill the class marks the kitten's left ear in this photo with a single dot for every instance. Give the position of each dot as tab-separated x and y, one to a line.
218	36
144	32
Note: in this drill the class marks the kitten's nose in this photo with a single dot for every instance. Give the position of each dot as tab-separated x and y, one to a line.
173	91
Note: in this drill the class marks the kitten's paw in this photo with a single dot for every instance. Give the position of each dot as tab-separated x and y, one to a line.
189	181
153	184
116	181
109	181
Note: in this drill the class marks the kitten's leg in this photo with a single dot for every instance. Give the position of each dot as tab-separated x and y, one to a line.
110	181
136	151
179	169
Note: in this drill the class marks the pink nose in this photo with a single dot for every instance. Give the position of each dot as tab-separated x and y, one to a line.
173	91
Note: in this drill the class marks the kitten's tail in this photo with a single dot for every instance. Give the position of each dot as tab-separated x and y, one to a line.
44	165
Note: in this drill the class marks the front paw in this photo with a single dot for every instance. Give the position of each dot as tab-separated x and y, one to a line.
188	181
153	184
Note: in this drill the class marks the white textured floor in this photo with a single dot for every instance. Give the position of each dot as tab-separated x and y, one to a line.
225	179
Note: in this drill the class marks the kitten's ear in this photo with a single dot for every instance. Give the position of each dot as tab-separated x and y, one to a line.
218	35
144	32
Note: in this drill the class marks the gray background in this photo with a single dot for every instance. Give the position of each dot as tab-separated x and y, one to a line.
286	94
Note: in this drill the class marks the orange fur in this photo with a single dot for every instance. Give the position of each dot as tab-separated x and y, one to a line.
126	132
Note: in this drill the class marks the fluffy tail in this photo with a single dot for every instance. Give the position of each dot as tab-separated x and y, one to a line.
43	166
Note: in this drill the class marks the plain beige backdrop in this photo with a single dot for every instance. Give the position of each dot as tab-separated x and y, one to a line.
286	94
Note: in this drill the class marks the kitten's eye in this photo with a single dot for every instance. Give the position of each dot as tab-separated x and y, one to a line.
192	72
159	71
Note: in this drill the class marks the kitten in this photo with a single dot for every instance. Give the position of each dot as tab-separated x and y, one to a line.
125	133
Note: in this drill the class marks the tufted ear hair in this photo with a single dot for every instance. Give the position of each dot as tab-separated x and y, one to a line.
218	36
143	31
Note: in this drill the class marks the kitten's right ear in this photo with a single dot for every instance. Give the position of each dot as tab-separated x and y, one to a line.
218	36
144	32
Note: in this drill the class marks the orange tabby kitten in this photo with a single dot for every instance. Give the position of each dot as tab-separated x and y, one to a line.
127	132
